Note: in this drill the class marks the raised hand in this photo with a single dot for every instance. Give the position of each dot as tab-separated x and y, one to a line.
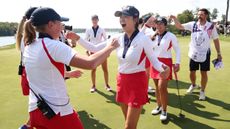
171	17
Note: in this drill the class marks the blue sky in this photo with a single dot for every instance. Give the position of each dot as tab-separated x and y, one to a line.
80	11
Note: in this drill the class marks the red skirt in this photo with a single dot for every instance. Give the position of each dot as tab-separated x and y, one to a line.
71	121
154	74
132	89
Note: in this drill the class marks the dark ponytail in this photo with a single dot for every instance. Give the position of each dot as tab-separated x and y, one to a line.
137	22
29	33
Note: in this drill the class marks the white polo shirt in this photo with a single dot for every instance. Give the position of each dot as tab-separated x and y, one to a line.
134	61
213	34
166	44
44	78
200	39
100	35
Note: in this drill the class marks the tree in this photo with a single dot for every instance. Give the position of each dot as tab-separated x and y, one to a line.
195	12
223	18
226	20
185	16
214	14
7	29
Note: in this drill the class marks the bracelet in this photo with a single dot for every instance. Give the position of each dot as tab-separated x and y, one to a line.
218	53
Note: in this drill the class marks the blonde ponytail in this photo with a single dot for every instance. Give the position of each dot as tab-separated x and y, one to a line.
19	34
29	33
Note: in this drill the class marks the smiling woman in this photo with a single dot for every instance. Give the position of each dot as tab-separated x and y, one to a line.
132	79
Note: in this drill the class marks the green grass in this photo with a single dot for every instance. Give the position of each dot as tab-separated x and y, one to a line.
7	47
100	111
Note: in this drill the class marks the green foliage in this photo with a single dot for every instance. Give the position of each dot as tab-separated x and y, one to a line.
195	12
185	16
214	14
173	29
8	28
7	47
223	18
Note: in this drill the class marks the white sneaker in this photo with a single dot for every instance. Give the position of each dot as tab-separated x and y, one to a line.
163	116
151	90
156	111
191	89
202	95
108	88
93	89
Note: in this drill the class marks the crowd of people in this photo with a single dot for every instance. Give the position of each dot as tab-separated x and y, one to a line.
143	51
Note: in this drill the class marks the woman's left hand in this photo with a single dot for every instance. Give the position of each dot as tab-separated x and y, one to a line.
176	67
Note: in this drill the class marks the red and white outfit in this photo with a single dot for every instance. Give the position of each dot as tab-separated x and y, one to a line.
148	32
48	81
165	46
24	82
95	39
132	79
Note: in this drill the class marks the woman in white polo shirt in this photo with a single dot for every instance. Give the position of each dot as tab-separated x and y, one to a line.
96	35
165	41
20	46
44	60
132	81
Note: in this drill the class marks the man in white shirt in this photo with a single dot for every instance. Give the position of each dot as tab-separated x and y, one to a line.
96	35
202	32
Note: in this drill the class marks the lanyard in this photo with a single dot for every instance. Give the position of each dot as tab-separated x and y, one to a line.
127	42
95	31
160	37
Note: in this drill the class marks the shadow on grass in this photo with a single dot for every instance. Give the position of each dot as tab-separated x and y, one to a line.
110	96
186	123
219	103
189	105
181	84
90	122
